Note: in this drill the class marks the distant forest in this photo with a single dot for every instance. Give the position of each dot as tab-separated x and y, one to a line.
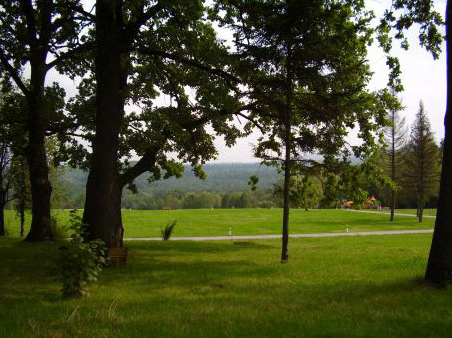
227	182
226	186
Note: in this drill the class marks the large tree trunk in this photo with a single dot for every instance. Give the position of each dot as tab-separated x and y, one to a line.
439	267
103	190
22	220
420	207
2	220
286	208
287	159
41	190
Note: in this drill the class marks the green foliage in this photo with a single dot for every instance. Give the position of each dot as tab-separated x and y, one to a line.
253	181
201	200
167	231
305	191
79	262
423	160
305	65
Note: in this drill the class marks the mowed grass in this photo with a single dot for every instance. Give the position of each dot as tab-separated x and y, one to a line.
219	222
332	287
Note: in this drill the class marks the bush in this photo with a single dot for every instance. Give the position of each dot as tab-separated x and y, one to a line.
167	231
79	261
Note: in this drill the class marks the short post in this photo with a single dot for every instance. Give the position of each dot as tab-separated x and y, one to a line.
230	231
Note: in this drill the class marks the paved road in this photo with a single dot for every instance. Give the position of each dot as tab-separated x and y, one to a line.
327	234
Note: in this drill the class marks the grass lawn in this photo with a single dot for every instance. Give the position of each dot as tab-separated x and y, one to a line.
206	222
332	287
427	211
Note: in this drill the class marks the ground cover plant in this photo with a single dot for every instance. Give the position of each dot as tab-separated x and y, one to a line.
333	287
222	222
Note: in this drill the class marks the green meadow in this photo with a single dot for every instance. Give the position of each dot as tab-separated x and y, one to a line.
219	222
332	287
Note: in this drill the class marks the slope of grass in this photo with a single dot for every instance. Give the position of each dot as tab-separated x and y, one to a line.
219	222
332	287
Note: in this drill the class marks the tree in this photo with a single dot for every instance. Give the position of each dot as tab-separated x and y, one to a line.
21	190
32	33
395	139
202	200
304	64
305	191
5	182
11	140
152	49
422	159
439	267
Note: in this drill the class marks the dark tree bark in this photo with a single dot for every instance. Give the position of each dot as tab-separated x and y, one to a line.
3	197
36	30
22	220
420	204
41	189
286	207
287	158
439	267
103	191
2	220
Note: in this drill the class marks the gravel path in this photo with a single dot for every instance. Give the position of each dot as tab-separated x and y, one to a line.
327	234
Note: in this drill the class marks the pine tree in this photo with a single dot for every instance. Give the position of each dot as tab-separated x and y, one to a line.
395	139
423	159
304	63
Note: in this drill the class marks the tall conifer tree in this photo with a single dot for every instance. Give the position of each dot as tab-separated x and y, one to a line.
422	160
396	139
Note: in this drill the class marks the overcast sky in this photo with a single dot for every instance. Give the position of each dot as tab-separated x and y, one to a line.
423	79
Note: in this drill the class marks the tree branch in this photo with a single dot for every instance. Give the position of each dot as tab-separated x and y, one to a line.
146	163
14	74
149	158
27	9
77	9
132	28
61	58
215	71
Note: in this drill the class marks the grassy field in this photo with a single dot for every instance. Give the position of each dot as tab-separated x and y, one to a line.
218	222
332	287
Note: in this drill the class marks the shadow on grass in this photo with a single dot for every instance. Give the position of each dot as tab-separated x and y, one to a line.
197	247
227	289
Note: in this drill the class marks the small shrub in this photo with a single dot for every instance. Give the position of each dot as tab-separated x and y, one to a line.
79	262
167	231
